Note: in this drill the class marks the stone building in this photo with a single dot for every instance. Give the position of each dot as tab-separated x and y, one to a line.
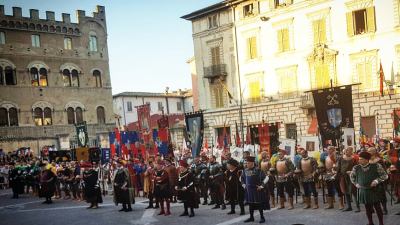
53	74
277	50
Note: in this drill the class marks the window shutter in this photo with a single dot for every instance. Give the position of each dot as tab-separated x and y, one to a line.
371	19
253	48
350	25
322	30
286	43
280	41
14	73
316	31
248	48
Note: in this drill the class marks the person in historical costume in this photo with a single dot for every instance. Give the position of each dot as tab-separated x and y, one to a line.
47	183
307	170
92	189
345	165
284	179
59	178
216	181
329	163
376	159
162	190
255	182
148	186
367	177
267	167
242	162
234	190
67	177
172	176
15	180
394	168
123	189
186	190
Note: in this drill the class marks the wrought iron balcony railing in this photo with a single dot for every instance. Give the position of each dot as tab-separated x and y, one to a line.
215	71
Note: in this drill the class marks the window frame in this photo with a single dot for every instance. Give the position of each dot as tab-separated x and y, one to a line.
35	40
129	107
178	106
101	115
98	80
248	10
67	43
2	38
93	43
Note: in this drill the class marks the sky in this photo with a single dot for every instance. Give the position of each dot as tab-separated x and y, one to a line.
148	42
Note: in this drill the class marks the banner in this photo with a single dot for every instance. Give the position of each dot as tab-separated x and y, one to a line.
263	135
163	122
348	137
105	155
81	133
194	127
289	145
334	108
143	113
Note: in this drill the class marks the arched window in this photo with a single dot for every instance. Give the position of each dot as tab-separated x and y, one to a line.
3	117
39	76
47	119
71	115
97	77
10	76
43	77
92	43
34	77
79	115
13	114
38	116
101	117
66	78
74	78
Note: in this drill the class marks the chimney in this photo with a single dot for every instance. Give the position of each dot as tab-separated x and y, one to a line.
1	10
34	14
50	16
17	12
66	18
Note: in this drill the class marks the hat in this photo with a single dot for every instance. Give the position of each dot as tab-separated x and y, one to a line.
183	163
251	159
233	162
365	155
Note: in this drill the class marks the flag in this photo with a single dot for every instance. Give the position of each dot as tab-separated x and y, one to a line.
381	79
225	136
237	136
363	138
227	91
163	134
248	135
111	137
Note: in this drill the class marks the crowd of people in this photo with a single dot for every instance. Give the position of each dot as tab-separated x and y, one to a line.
369	176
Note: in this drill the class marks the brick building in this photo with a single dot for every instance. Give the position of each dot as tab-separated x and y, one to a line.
53	74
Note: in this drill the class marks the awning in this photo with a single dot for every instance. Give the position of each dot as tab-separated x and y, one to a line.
313	129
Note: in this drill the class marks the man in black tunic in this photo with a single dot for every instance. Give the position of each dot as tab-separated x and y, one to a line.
92	188
15	180
186	190
234	189
122	186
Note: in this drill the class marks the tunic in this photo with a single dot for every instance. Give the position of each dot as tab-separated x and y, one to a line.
345	165
123	191
363	176
188	196
92	188
251	178
162	187
234	190
47	184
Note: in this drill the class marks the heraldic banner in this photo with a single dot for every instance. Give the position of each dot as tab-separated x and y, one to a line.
334	108
143	112
81	133
194	128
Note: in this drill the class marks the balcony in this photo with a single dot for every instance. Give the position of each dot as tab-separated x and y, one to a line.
215	72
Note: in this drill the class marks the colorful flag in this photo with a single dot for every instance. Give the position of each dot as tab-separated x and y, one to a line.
163	134
111	137
263	134
225	136
381	79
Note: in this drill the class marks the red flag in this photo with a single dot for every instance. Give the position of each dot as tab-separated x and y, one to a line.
134	150
125	152
117	135
205	144
263	134
381	79
112	146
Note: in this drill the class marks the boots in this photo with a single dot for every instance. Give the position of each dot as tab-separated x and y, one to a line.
282	203
307	202
273	201
291	203
316	203
232	209
341	202
185	213
330	203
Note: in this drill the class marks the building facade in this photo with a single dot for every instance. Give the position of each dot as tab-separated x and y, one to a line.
283	48
53	74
